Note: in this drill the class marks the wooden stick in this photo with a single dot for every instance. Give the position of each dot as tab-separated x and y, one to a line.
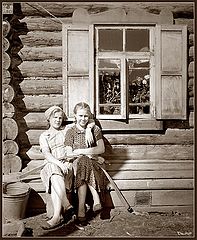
118	192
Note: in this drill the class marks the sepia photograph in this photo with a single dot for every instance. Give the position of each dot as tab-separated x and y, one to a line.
98	119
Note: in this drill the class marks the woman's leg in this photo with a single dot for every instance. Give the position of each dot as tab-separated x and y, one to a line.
59	197
95	195
82	191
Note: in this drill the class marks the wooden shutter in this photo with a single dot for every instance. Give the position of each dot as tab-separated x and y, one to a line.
171	71
78	86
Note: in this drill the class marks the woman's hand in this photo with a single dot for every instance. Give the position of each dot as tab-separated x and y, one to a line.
89	137
100	160
64	167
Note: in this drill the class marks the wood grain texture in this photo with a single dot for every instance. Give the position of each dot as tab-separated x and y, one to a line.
41	68
11	163
10	147
9	128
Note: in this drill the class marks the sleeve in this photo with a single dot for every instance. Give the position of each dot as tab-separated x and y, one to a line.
97	133
69	138
44	143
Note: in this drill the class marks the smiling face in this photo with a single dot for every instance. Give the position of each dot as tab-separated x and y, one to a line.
82	117
56	119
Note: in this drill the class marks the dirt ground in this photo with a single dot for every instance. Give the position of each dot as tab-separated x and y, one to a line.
120	223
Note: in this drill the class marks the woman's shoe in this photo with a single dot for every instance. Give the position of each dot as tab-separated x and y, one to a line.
68	214
97	208
48	226
81	222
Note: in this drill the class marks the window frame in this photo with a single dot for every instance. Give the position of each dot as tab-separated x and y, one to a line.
124	56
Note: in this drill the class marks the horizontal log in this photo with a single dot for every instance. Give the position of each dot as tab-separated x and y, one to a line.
191	103
162	201
8	93
8	110
66	8
31	153
152	152
191	82
10	147
149	166
45	24
172	197
132	124
6	60
182	205
137	152
42	39
41	87
115	125
37	103
6	44
191	92
172	136
191	69
6	77
158	184
129	175
154	184
6	28
191	53
188	22
143	174
41	68
9	129
57	9
33	120
191	39
41	53
191	119
11	163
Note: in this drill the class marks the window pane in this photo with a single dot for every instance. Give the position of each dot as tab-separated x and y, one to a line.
137	40
109	86
139	86
110	39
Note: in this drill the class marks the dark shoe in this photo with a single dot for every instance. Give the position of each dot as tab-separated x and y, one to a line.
47	226
81	222
68	214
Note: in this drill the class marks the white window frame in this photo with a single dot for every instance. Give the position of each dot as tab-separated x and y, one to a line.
124	56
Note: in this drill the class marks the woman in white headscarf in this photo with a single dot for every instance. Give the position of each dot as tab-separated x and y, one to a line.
57	173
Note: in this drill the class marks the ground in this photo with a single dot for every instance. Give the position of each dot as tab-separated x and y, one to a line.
120	223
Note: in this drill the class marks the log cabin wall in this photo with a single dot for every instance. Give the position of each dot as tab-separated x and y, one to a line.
153	170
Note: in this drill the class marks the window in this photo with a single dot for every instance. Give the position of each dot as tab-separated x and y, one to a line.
127	73
124	72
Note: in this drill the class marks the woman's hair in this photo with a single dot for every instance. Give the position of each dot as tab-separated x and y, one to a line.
82	105
52	110
63	114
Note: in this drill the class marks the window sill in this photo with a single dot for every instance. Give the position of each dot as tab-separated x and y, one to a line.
134	124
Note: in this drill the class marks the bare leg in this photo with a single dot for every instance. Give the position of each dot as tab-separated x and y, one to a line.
95	195
59	198
82	191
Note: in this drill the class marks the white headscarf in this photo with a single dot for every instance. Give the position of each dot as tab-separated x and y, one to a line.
50	110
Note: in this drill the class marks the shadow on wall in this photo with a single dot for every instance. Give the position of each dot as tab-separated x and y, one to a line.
17	29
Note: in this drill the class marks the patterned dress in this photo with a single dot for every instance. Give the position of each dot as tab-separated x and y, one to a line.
85	167
54	142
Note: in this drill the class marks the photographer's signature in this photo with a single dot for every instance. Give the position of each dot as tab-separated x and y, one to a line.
184	233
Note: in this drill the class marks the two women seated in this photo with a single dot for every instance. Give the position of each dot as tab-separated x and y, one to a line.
72	161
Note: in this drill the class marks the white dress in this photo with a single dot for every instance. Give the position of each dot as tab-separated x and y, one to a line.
54	142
